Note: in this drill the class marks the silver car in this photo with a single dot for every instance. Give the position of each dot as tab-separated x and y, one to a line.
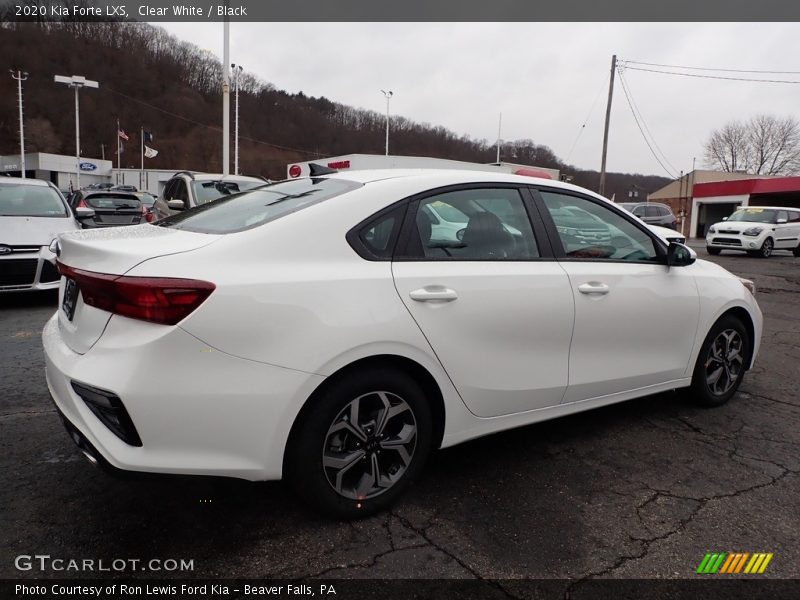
32	214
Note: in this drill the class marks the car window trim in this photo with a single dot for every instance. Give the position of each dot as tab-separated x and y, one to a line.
555	239
539	233
353	236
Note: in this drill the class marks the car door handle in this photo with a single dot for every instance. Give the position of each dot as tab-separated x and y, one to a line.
593	287
433	294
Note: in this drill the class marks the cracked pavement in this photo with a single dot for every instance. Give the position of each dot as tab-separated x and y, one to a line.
638	490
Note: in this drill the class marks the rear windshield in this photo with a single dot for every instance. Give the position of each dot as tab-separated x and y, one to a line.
112	201
260	205
206	191
30	201
755	215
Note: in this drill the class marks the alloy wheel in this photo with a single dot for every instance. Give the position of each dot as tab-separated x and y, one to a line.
766	249
724	362
369	445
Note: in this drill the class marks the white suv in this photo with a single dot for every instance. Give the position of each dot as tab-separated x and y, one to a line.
188	189
757	230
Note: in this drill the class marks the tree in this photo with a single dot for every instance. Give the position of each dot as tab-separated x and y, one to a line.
764	145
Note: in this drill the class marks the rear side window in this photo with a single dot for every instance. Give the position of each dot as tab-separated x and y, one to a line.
258	206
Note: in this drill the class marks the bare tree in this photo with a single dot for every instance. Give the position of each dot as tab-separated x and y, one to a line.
764	145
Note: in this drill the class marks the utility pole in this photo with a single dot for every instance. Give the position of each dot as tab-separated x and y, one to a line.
602	189
20	77
499	128
237	70
226	95
388	94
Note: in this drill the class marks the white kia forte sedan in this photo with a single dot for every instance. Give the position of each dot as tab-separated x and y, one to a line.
315	330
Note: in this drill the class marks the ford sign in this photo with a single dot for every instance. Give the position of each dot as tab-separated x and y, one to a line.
87	166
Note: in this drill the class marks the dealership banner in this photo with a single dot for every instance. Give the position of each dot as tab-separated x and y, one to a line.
391	589
407	10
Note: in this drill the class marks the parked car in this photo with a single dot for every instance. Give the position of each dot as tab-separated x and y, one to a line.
188	190
652	213
124	188
667	234
313	329
32	214
107	208
757	230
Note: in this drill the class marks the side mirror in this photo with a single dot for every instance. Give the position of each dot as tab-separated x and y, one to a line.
679	255
724	218
176	204
84	212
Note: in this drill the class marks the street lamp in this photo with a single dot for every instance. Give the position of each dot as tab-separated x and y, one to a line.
388	94
77	82
237	70
20	76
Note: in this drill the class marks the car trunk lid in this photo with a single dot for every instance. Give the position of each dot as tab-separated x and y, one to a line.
112	251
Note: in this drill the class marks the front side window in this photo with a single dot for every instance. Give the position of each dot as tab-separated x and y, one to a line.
589	230
260	205
475	224
30	201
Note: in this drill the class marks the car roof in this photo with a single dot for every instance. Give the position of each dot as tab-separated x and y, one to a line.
770	207
221	177
454	176
20	181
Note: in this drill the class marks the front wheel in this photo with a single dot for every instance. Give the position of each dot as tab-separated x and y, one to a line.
766	248
361	444
721	363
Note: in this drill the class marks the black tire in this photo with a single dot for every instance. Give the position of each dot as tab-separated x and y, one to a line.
320	430
796	251
766	248
703	392
713	251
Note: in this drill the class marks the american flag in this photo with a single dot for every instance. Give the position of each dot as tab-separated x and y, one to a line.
122	135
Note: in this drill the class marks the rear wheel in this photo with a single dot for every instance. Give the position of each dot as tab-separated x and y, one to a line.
713	251
796	251
721	363
365	440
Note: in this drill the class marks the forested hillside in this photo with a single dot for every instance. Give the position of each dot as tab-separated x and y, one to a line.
151	79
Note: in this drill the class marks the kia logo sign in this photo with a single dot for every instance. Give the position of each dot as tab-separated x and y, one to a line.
5	249
88	166
294	171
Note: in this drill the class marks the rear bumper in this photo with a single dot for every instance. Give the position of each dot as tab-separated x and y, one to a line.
28	271
197	411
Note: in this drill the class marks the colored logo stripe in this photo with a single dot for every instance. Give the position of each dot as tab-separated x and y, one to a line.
734	563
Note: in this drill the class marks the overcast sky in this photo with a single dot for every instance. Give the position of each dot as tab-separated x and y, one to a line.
544	78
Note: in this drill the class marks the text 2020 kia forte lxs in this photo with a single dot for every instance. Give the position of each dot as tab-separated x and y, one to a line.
326	331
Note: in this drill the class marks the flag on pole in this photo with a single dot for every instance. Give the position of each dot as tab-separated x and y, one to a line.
149	152
122	135
148	137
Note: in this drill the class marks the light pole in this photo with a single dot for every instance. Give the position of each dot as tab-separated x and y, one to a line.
20	76
388	94
77	82
237	70
226	95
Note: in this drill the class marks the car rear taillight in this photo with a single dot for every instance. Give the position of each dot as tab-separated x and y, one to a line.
81	204
147	214
164	300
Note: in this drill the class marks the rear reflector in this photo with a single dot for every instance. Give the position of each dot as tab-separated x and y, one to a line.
161	300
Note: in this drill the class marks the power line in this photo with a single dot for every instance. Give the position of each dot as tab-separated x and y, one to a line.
711	76
212	127
636	62
586	120
641	117
636	119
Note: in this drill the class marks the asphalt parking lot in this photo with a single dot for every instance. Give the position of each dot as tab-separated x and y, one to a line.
641	489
